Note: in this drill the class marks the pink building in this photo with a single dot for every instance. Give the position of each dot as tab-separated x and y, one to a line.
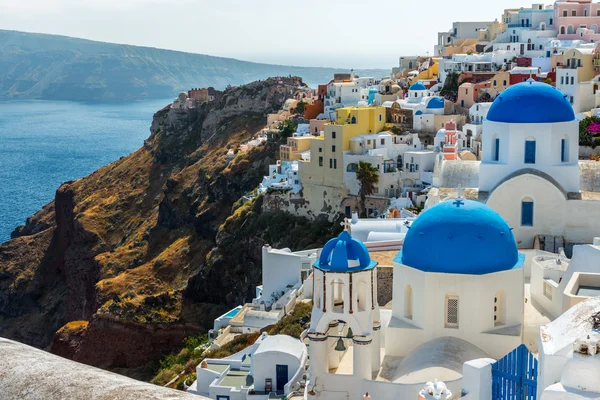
577	19
450	145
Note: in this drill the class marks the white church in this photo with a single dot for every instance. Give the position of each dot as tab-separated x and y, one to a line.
455	312
530	172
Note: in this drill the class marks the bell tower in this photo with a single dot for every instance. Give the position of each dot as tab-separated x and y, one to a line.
345	317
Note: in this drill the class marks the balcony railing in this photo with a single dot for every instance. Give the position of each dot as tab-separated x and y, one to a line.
519	25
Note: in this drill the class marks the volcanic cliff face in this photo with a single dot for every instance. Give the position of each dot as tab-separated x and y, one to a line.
145	251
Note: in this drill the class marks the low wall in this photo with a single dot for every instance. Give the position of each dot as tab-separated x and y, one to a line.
29	373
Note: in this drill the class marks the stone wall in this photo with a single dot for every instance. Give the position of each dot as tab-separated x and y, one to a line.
385	284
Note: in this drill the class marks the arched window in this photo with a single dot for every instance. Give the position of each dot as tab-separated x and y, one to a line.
542	26
361	295
499	309
570	30
337	296
529	151
352	167
564	149
594	28
353	120
562	30
451	312
408	302
495	148
317	292
527	212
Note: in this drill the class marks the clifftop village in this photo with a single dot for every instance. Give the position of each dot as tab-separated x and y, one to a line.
469	261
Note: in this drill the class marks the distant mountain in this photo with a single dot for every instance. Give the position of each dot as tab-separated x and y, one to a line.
37	66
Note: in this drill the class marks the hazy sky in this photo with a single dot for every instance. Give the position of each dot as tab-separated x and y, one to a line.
337	33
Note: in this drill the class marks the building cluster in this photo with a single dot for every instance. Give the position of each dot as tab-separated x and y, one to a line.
492	290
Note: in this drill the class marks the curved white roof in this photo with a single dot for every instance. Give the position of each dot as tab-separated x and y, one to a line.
281	344
443	357
365	227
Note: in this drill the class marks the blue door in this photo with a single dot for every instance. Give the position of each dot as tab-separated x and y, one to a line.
563	155
530	152
527	213
514	377
282	376
497	150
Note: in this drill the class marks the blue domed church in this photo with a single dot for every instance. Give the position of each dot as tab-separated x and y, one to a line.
459	274
530	165
458	290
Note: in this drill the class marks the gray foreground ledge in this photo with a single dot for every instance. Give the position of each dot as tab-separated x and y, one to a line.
29	373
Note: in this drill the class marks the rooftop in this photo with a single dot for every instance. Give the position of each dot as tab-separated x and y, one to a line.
236	378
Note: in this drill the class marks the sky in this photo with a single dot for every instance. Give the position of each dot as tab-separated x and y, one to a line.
328	33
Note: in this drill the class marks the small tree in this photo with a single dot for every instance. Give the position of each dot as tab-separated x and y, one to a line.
300	107
286	128
367	176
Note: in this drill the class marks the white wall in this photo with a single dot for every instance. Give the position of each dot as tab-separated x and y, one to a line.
280	269
512	152
476	309
264	366
578	221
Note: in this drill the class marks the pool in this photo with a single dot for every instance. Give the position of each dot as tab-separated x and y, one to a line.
232	313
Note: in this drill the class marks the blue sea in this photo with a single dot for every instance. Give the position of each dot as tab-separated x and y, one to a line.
46	143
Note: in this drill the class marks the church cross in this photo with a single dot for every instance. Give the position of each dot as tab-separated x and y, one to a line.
346	224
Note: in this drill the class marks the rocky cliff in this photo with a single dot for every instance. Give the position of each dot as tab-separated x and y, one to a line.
151	248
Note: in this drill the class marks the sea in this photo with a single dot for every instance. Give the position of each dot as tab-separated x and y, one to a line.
46	143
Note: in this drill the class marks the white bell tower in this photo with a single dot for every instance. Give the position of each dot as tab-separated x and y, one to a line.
345	316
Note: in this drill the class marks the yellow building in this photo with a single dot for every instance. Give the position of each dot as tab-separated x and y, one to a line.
294	148
429	73
499	83
323	176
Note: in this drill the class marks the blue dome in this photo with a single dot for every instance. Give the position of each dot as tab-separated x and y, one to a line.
344	254
460	237
417	86
436	102
419	112
530	103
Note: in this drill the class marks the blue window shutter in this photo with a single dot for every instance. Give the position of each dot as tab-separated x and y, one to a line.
530	152
527	213
497	150
562	150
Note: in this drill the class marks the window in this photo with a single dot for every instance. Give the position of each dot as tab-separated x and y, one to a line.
380	117
565	13
530	151
598	13
330	163
451	311
495	83
562	30
408	302
320	161
551	21
382	141
496	150
320	149
499	309
564	150
334	163
527	212
416	167
351	167
562	80
333	135
548	289
573	13
504	83
333	149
